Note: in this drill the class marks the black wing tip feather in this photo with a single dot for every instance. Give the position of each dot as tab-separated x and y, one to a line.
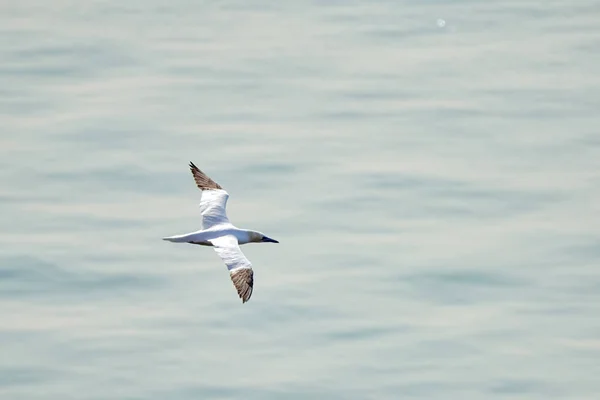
202	180
195	169
243	280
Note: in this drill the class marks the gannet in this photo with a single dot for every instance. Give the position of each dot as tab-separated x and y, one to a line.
217	231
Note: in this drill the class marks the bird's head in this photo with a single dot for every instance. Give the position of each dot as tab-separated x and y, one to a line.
259	237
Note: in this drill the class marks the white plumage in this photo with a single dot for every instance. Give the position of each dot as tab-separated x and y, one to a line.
222	235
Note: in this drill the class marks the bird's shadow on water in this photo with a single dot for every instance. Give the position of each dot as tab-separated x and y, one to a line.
30	277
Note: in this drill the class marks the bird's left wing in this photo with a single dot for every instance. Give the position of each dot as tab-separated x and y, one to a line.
213	205
240	269
202	180
213	200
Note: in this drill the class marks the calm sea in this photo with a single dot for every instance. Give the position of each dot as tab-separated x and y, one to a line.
431	169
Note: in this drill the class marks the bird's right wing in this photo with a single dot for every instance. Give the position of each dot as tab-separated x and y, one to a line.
213	199
212	208
240	269
202	180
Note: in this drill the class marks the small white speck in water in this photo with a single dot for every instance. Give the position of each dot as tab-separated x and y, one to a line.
441	23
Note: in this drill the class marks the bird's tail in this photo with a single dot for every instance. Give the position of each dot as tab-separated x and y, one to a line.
178	238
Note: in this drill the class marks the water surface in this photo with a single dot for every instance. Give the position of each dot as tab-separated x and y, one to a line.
430	169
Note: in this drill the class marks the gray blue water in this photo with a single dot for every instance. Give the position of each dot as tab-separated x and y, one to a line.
431	169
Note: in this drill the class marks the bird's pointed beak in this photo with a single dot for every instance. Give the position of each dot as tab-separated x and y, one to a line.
268	240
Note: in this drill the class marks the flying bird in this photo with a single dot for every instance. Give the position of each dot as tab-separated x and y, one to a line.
222	235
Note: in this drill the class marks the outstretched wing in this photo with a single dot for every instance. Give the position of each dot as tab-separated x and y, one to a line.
212	208
213	200
240	269
202	180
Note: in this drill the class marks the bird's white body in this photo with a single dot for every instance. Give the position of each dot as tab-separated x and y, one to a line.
219	233
204	236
